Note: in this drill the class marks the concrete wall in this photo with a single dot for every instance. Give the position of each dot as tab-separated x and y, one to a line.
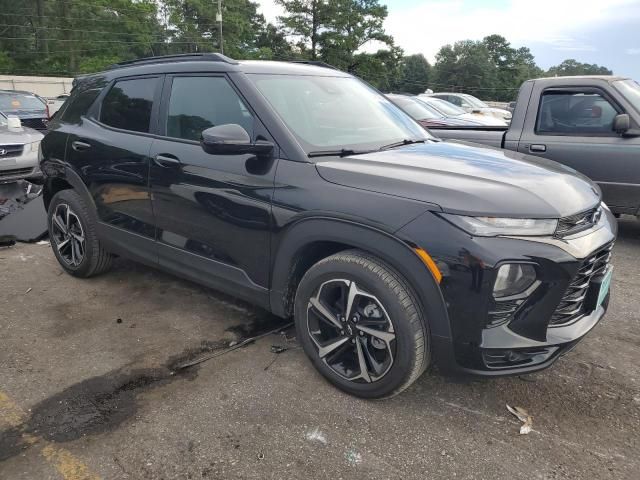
43	86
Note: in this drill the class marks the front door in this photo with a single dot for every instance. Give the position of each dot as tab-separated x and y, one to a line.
213	212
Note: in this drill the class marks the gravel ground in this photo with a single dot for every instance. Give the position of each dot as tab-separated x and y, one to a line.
87	391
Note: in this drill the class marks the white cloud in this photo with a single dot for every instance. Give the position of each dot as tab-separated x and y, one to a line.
424	28
632	51
270	10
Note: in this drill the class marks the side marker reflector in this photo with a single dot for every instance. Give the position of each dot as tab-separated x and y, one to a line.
430	264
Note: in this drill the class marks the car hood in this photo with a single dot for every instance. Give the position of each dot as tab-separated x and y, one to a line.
18	135
467	180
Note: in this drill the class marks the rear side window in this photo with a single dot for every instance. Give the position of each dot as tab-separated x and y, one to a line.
80	104
198	103
575	113
128	104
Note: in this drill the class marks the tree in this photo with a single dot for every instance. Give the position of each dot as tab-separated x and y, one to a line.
304	21
513	66
414	74
466	66
571	67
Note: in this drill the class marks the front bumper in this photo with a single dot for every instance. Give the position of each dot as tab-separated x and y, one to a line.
527	340
19	167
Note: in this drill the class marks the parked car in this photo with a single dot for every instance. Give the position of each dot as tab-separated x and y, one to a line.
301	189
591	124
54	104
451	111
424	114
31	109
471	104
18	151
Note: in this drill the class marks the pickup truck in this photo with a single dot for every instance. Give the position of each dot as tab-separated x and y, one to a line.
589	123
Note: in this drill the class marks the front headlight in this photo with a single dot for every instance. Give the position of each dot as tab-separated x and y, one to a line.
494	226
31	147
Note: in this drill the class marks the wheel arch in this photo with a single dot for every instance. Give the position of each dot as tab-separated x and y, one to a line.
310	240
70	180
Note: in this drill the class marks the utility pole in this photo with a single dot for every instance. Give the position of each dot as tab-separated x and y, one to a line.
219	20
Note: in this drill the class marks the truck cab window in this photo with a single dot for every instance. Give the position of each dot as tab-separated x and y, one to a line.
575	113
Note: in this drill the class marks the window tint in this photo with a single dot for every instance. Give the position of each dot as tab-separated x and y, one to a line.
79	105
575	113
128	104
198	103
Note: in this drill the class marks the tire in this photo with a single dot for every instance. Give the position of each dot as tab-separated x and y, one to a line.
92	259
394	349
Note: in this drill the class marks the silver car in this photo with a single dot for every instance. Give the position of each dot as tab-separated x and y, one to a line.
18	150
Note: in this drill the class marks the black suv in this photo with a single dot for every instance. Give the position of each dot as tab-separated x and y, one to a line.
299	188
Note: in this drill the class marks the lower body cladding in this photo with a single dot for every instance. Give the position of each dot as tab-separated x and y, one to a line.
517	304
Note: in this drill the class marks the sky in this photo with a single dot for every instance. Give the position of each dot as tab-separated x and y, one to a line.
606	32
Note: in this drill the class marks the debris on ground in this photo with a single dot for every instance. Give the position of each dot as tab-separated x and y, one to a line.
278	349
524	417
353	457
241	344
316	435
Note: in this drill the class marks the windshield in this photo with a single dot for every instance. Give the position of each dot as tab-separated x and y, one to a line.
3	120
474	101
446	108
12	102
630	90
415	108
336	112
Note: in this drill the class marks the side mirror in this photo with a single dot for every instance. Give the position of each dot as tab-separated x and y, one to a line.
232	139
621	123
14	122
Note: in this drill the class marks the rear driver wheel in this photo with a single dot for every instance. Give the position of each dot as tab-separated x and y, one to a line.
361	325
73	236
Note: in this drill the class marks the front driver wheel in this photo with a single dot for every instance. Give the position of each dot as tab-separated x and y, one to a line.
361	325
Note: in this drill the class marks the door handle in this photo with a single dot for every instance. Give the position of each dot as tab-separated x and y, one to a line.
166	160
79	146
537	148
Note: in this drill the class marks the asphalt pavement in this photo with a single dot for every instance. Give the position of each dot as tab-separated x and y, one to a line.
89	389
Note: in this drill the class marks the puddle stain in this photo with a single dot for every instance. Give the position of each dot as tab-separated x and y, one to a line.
101	404
22	214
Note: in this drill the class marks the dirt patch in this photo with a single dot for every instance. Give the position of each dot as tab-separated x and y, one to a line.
100	404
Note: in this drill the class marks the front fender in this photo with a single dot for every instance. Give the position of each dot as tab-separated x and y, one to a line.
385	246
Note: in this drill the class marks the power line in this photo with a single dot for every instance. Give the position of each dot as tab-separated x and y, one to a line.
126	42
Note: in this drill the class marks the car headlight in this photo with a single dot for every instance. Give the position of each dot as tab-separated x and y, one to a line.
494	226
31	147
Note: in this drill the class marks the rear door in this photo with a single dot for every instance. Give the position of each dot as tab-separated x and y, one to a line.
110	148
574	126
213	212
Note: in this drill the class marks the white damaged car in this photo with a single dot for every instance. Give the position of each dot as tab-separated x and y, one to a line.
18	151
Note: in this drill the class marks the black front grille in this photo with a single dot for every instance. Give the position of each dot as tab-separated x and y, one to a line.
578	222
572	305
7	151
16	172
37	123
519	357
503	311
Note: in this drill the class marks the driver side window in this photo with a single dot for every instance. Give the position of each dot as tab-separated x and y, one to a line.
575	113
198	103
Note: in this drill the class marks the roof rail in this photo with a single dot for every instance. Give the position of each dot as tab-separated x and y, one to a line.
315	63
183	57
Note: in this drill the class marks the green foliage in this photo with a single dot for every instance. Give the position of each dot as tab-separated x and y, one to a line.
414	74
572	67
67	37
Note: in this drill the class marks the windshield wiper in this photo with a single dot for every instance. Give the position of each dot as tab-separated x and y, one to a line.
343	152
406	141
